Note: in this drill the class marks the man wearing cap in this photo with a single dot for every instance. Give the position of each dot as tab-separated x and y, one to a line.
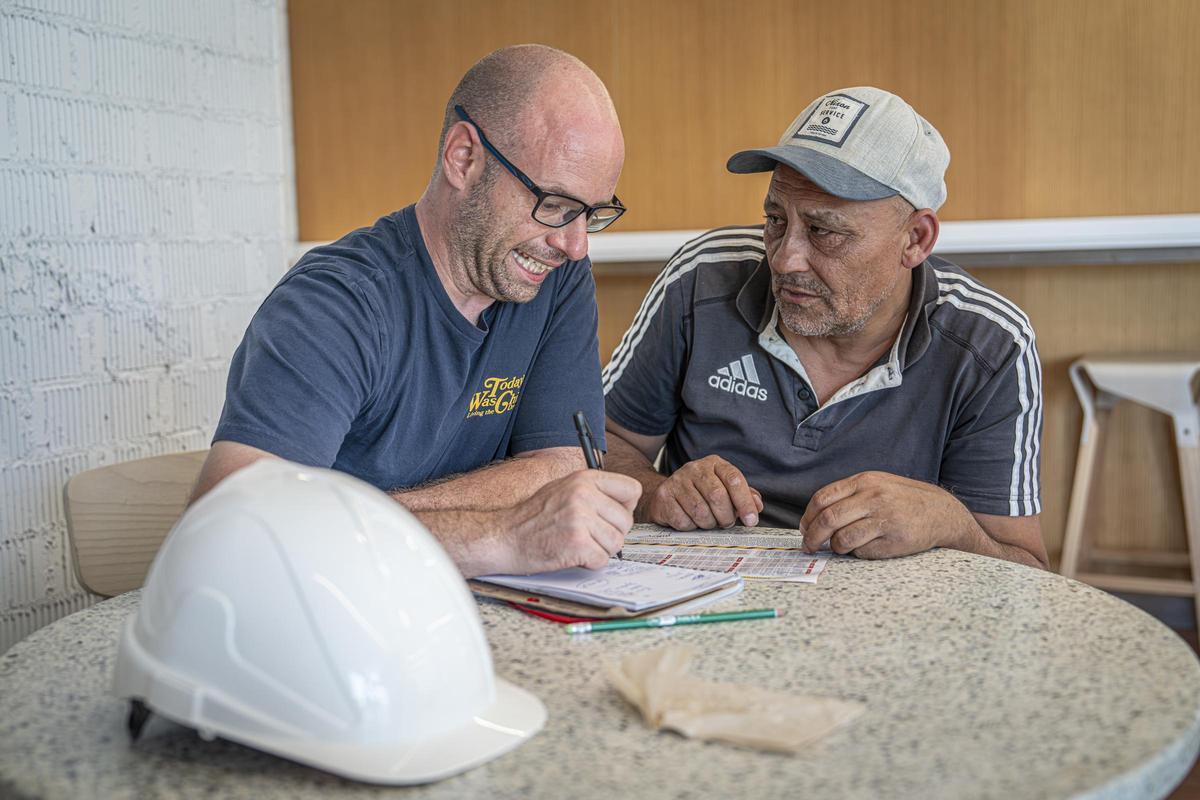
441	353
824	370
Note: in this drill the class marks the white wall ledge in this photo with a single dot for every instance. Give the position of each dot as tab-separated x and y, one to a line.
1018	242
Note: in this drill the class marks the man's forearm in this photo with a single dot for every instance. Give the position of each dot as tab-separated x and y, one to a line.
495	486
628	460
476	541
974	539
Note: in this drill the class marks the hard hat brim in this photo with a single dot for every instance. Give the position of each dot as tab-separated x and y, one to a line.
513	718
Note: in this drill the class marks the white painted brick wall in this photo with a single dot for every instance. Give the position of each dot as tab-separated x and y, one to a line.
146	206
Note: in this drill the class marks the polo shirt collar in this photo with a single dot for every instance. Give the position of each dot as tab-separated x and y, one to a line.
756	305
914	334
755	302
886	373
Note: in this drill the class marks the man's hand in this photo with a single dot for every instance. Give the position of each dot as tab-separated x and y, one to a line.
880	515
577	521
707	493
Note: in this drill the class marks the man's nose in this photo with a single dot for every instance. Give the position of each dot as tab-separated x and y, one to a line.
791	254
571	238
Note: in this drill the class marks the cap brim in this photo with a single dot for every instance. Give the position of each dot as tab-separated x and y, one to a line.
514	718
830	174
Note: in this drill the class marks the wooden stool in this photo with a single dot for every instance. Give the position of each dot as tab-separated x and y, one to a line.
1163	382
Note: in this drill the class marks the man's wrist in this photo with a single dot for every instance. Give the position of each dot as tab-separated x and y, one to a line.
650	481
962	531
478	542
497	542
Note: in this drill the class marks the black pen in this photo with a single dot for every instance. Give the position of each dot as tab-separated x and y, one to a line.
591	453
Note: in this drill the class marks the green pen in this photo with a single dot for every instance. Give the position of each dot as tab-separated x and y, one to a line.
669	620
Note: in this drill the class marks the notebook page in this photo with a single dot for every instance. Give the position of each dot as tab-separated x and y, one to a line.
627	584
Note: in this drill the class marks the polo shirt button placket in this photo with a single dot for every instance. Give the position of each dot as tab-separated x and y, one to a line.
807	438
805	397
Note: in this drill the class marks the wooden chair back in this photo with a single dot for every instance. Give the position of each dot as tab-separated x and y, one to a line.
118	516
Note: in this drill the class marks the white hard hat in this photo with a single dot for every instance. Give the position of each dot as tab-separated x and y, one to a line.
302	612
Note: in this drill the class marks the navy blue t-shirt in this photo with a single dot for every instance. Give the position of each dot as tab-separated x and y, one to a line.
358	360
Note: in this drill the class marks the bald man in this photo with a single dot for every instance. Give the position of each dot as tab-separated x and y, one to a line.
440	353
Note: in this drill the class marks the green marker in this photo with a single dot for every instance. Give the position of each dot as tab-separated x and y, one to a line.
667	621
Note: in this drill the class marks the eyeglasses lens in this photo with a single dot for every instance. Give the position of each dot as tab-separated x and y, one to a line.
556	210
602	217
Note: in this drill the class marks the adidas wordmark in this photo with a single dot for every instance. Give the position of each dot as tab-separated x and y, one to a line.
740	377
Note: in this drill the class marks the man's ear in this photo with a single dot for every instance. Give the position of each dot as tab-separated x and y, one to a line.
462	155
921	231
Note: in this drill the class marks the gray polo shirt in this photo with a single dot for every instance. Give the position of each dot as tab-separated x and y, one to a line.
956	402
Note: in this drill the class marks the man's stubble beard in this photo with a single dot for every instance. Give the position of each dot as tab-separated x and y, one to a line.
830	323
477	246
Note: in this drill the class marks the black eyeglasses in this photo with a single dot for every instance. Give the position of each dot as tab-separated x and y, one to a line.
553	210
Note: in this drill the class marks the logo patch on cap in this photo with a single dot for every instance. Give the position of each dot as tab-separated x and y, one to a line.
832	120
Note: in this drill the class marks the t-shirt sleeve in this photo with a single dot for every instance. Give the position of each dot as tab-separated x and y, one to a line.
565	374
642	380
304	369
992	460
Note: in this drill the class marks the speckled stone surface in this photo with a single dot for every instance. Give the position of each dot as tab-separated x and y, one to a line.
982	679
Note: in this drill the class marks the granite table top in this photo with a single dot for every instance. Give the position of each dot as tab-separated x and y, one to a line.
981	679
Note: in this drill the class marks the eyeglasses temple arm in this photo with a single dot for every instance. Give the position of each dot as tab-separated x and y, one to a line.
521	176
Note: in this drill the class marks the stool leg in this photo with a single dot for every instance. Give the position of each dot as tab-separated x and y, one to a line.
1091	444
1189	479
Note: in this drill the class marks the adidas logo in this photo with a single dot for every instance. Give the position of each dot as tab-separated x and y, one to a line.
740	377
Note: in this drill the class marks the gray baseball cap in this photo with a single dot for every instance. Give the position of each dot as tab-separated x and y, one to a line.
860	143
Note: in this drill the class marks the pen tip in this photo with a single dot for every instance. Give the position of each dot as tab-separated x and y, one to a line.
780	612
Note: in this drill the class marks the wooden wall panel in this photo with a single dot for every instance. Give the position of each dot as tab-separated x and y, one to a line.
1050	107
